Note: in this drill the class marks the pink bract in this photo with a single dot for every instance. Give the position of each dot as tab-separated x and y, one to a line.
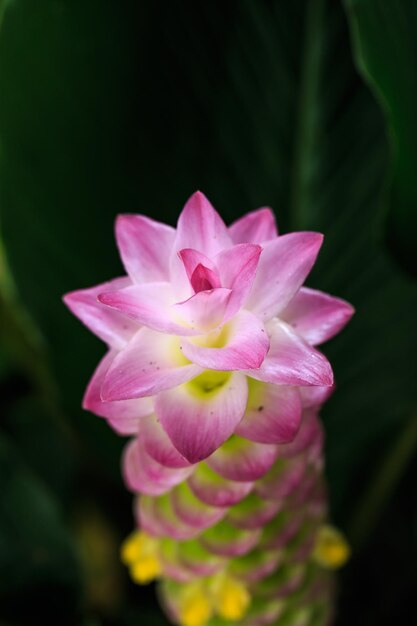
211	333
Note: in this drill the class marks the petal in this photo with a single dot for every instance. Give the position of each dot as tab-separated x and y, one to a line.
201	227
143	474
199	560
111	326
192	511
316	316
150	363
291	361
145	247
205	310
125	415
273	413
254	227
253	512
245	345
284	478
212	489
149	304
157	517
315	396
192	259
310	432
242	460
237	268
284	264
226	540
200	415
157	443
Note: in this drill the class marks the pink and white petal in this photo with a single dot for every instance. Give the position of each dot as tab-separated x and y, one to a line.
242	460
145	246
315	396
310	432
150	363
124	416
143	474
254	227
226	540
204	310
158	445
284	478
201	227
284	265
149	304
273	413
237	269
316	316
112	327
157	517
192	258
200	415
291	361
192	511
254	512
245	346
212	489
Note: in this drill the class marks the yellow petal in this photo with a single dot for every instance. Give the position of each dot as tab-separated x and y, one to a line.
331	549
231	598
195	607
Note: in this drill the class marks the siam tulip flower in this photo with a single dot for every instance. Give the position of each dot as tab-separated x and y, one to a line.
212	368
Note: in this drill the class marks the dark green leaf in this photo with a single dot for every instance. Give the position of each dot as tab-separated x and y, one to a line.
385	45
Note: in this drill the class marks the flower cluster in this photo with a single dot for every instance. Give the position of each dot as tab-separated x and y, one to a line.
213	370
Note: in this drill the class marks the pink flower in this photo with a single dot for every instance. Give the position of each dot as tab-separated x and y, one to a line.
210	333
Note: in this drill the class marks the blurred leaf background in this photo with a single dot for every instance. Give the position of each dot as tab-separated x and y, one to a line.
110	106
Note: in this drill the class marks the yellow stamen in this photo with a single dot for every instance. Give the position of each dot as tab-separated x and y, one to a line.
231	598
140	553
332	549
195	608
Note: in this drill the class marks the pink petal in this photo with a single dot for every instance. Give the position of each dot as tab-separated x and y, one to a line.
145	247
203	279
111	326
284	264
212	489
125	415
315	396
273	413
226	540
253	512
255	227
191	258
201	227
246	344
192	511
197	419
157	443
148	364
283	480
310	432
242	460
157	517
149	304
205	310
237	268
291	361
316	316
143	474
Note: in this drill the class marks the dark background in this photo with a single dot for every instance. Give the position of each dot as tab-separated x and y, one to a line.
110	106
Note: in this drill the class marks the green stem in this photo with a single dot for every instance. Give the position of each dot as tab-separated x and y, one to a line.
385	481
